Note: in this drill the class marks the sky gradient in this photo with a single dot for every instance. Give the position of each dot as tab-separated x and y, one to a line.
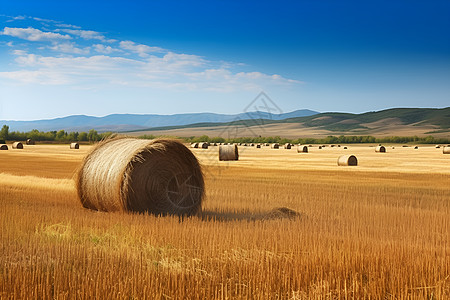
60	58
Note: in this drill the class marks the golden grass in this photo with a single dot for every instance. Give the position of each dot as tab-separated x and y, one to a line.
361	234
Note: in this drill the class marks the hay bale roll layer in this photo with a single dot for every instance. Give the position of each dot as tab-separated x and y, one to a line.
74	146
228	152
203	145
3	147
446	150
159	176
17	145
302	149
380	149
347	160
275	146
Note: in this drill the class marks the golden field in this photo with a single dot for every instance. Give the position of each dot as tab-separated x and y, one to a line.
376	231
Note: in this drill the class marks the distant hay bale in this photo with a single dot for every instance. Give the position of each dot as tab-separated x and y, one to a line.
320	147
267	144
3	147
345	148
287	146
258	146
446	150
380	149
17	145
30	142
252	144
194	145
275	146
302	149
74	146
203	145
228	152
159	176
347	160
416	147
437	146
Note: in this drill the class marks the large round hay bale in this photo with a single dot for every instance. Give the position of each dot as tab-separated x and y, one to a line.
30	142
287	146
228	152
267	144
416	147
159	176
258	145
203	145
437	146
3	147
347	160
17	145
194	145
320	147
446	150
380	149
74	146
302	149
275	146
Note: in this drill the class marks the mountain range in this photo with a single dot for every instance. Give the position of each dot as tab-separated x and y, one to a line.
133	122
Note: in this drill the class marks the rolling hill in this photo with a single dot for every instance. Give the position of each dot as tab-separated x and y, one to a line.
130	122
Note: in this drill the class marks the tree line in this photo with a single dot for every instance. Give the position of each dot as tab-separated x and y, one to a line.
52	136
93	136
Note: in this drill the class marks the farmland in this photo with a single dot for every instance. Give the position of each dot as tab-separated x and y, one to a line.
377	230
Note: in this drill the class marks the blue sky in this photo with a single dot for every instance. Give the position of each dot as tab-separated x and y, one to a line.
60	58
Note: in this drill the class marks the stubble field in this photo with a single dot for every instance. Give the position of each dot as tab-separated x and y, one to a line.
379	230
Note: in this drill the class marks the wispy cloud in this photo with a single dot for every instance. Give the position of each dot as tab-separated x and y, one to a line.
69	48
33	34
141	50
87	34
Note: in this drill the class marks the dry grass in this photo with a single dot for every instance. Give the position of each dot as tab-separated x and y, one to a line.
362	233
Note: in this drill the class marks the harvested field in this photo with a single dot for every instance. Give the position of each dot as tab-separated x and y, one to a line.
274	224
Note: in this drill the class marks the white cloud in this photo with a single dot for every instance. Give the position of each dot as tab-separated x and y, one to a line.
69	48
140	49
100	48
32	34
87	34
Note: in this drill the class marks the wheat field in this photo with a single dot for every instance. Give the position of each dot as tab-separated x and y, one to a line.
376	231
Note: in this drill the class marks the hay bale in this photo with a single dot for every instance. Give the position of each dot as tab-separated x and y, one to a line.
17	145
267	144
258	146
345	148
228	152
203	145
287	146
275	146
416	147
320	147
74	146
347	160
446	150
302	149
437	146
3	147
159	176
194	145
30	142
380	149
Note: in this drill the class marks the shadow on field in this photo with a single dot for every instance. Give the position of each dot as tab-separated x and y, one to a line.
275	214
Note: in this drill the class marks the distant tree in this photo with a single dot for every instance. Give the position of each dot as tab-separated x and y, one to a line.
83	137
4	132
